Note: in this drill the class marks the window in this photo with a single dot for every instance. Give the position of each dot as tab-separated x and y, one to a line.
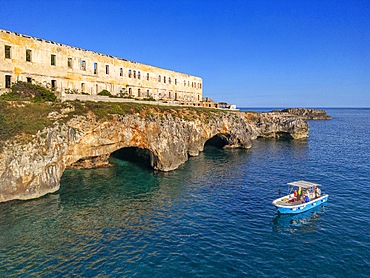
175	81
138	92
29	80
147	76
70	63
53	60
159	78
83	87
8	81
130	91
184	82
169	80
164	79
83	65
107	69
7	52
95	68
53	84
120	71
134	73
139	75
28	55
129	73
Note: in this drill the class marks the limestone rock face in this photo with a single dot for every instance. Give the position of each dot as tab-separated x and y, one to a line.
30	170
306	113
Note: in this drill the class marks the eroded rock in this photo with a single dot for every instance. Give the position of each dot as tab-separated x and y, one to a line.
33	169
306	113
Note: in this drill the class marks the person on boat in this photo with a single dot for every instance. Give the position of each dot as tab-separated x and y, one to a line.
317	192
295	193
306	196
299	193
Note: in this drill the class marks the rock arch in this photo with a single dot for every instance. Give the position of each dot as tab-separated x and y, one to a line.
141	156
34	169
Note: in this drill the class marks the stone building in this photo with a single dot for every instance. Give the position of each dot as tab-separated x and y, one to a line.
72	70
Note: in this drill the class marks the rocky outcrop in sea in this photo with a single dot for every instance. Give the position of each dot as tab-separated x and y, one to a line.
305	113
33	168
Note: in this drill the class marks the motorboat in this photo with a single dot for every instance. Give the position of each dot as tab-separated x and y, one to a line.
302	196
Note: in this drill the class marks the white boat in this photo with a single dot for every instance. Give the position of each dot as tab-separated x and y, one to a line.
309	198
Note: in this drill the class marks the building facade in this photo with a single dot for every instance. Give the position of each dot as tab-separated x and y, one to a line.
71	70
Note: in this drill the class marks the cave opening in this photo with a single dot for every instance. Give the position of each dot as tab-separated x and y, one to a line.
139	156
280	136
219	141
283	136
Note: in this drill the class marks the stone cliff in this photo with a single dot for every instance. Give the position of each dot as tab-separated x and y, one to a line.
306	113
32	168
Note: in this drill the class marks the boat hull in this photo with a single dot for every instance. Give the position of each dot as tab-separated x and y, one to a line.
293	209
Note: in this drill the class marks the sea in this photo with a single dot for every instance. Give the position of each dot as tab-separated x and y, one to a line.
212	217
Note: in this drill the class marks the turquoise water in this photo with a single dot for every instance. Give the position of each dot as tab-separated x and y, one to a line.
211	217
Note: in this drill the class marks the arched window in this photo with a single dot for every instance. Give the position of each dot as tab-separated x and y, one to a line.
159	78
138	74
129	73
164	79
169	80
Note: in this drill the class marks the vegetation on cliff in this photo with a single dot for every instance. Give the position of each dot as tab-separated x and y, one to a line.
29	108
30	92
44	138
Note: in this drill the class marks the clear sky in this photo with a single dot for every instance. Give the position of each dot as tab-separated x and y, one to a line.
260	53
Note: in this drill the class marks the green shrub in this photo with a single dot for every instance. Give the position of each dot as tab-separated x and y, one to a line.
149	99
27	91
105	93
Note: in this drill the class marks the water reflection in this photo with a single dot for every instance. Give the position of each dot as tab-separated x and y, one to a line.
297	149
302	222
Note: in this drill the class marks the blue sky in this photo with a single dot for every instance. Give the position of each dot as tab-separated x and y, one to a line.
278	53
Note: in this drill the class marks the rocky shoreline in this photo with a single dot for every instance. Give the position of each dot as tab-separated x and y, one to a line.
167	138
305	113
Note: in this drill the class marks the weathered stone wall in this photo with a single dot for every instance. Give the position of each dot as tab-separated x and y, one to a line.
30	170
80	75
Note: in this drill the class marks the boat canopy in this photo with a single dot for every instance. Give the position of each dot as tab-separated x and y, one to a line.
303	184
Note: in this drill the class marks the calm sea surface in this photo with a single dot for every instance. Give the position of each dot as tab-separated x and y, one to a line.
211	217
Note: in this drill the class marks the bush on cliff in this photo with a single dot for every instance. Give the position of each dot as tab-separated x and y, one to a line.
23	118
28	91
105	93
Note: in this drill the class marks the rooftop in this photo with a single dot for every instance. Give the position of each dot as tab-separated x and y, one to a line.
303	184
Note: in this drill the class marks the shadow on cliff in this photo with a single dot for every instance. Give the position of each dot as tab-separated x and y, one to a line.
219	141
139	156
